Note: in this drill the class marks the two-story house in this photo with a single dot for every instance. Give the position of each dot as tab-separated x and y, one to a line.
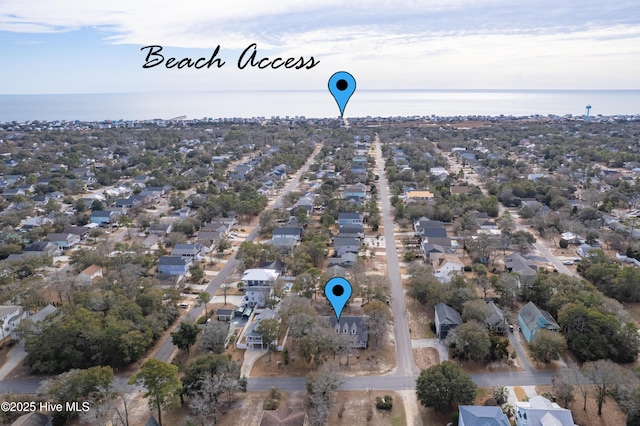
350	218
258	284
173	265
353	326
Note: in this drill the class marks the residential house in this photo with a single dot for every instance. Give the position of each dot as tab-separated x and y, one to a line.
344	245
188	251
496	321
539	411
130	202
161	228
35	222
348	218
423	224
440	172
184	212
224	314
155	192
104	217
90	275
444	265
240	172
359	165
446	319
39	248
80	231
10	317
357	191
305	202
353	231
63	240
277	265
415	196
583	250
151	241
520	265
283	245
354	326
254	339
475	415
291	232
335	271
173	265
346	260
533	319
572	238
258	284
460	190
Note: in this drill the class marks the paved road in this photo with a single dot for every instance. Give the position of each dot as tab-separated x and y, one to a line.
167	349
396	382
404	352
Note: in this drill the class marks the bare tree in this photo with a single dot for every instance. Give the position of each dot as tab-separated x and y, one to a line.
320	386
605	376
563	386
110	404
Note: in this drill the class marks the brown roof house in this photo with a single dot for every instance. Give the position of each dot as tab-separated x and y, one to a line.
90	275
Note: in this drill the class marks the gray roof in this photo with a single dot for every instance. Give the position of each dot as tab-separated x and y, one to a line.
359	322
44	312
530	314
474	415
172	261
349	215
496	317
346	241
288	230
447	315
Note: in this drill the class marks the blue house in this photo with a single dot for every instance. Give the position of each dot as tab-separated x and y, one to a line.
473	415
345	218
355	191
103	216
173	265
532	319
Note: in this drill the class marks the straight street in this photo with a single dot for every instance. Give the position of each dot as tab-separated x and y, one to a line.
167	349
404	352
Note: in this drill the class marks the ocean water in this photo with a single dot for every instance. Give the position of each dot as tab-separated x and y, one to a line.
316	104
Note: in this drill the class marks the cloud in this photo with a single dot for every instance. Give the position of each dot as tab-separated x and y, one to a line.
479	43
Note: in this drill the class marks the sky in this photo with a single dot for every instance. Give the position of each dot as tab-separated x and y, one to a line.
73	46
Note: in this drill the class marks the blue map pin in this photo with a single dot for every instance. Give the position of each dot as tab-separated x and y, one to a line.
342	85
338	291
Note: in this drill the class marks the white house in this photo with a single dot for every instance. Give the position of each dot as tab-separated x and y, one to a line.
259	285
444	265
540	411
10	317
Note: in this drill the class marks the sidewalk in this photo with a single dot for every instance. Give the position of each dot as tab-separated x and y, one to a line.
15	356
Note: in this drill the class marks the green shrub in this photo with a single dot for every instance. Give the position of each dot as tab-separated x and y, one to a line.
468	268
563	243
385	403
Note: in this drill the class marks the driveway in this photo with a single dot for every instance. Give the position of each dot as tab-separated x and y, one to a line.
514	338
439	345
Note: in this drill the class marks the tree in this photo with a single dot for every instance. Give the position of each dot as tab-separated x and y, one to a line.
269	329
214	337
547	346
605	376
377	320
76	385
109	404
320	386
186	336
444	384
162	384
500	394
477	310
127	222
203	299
506	223
471	341
563	386
196	271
